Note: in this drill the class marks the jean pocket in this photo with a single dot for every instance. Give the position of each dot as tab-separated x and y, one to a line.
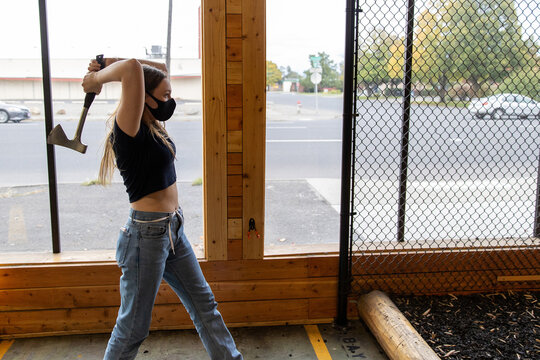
153	230
122	245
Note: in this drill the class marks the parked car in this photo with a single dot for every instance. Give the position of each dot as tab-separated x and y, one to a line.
15	113
502	105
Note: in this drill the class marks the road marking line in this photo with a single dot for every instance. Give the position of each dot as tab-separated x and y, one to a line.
17	227
287	127
317	342
303	140
4	347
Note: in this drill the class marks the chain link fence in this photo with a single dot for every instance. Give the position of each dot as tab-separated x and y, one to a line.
445	146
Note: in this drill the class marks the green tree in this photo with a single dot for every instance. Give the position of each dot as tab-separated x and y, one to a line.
288	73
273	74
374	59
478	41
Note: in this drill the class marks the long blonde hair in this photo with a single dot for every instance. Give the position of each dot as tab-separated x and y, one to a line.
152	78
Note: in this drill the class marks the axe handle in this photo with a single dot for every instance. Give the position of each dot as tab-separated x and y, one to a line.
88	99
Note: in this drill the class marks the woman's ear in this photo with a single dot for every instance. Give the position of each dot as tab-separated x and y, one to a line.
151	102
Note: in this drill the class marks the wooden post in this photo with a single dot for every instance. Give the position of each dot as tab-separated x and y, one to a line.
394	332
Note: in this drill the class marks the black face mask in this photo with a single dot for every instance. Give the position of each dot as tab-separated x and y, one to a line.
165	109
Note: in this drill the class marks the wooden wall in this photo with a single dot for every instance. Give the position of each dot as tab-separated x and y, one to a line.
52	299
234	80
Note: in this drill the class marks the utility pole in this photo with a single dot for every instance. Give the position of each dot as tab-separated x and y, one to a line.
168	58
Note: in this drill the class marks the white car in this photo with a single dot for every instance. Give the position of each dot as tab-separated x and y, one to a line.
505	105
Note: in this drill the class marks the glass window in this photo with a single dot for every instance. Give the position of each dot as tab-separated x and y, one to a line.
305	52
91	215
24	201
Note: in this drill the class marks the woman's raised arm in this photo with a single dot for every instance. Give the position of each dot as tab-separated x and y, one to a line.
129	72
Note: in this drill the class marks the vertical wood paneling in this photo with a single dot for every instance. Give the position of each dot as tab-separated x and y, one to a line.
234	249
234	72
234	25
234	120
234	49
234	185
254	123
234	6
214	129
234	142
235	229
234	95
234	163
234	208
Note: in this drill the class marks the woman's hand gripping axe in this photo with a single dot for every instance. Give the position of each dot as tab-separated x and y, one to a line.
58	137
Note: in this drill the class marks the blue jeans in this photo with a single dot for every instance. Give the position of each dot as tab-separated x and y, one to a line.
145	255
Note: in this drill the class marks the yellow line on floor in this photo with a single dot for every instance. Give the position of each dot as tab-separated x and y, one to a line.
317	342
4	347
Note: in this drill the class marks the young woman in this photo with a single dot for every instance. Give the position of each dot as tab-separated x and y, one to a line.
152	245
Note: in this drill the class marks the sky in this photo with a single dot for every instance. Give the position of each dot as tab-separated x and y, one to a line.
124	28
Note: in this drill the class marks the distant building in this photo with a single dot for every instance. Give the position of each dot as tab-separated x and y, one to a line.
21	79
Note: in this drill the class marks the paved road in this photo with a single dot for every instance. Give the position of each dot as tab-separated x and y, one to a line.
296	149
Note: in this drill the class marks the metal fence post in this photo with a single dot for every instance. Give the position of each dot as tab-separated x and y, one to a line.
536	232
47	100
407	82
348	103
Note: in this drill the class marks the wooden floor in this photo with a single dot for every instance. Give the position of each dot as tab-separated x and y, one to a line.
319	342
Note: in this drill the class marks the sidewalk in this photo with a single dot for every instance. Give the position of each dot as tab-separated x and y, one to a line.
301	216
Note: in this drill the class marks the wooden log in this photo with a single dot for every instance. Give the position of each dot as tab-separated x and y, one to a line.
394	332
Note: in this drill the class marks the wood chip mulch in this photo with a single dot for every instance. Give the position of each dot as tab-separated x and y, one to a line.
499	326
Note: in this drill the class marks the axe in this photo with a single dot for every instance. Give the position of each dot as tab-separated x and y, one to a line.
58	137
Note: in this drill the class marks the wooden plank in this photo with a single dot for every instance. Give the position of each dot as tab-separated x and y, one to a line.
224	291
438	283
216	271
234	95
326	307
518	278
323	266
234	25
65	257
393	331
234	169
174	327
234	206
234	228
234	122
438	260
59	276
234	163
234	249
234	72
254	113
102	319
234	6
234	185
234	144
214	129
48	276
234	49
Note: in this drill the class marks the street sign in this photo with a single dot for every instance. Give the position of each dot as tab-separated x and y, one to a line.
315	70
316	78
315	61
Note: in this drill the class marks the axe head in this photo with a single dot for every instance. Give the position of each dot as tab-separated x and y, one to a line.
58	137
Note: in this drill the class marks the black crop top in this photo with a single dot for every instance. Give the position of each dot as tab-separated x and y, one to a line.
145	163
